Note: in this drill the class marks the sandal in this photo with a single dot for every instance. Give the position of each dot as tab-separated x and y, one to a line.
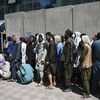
39	84
54	84
50	87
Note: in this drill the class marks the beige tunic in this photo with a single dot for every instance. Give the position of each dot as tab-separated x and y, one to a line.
86	56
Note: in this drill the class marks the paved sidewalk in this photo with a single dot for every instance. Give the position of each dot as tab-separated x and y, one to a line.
15	91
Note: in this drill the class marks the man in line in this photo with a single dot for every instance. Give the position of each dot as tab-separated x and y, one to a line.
68	51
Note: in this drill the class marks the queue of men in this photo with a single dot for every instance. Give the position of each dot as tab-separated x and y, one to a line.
67	59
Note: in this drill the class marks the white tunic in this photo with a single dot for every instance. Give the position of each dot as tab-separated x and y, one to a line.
23	51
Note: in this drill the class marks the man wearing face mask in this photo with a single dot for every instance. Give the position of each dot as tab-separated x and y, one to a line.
41	52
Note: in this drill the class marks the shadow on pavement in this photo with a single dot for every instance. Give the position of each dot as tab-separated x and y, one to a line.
76	89
97	94
79	90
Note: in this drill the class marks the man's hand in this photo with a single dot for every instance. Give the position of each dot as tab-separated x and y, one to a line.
47	62
65	65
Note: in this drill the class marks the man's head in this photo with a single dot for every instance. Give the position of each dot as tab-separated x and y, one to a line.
68	34
85	39
9	38
48	36
94	37
22	39
40	39
31	39
82	35
14	38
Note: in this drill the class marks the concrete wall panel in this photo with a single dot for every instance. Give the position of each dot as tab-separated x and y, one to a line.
14	23
58	20
87	18
34	21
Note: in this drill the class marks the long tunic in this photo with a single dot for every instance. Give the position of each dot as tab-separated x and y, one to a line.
96	64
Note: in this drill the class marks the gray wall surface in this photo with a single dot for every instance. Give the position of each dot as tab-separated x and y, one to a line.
83	18
14	23
86	18
58	20
34	21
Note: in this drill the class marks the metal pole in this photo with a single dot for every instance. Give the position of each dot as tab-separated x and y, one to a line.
45	20
72	18
23	24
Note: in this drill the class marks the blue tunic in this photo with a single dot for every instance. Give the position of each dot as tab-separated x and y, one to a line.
96	64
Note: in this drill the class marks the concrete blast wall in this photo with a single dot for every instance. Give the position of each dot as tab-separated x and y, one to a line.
83	18
58	20
86	18
34	21
14	23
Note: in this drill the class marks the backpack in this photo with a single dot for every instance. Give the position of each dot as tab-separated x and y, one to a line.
25	73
